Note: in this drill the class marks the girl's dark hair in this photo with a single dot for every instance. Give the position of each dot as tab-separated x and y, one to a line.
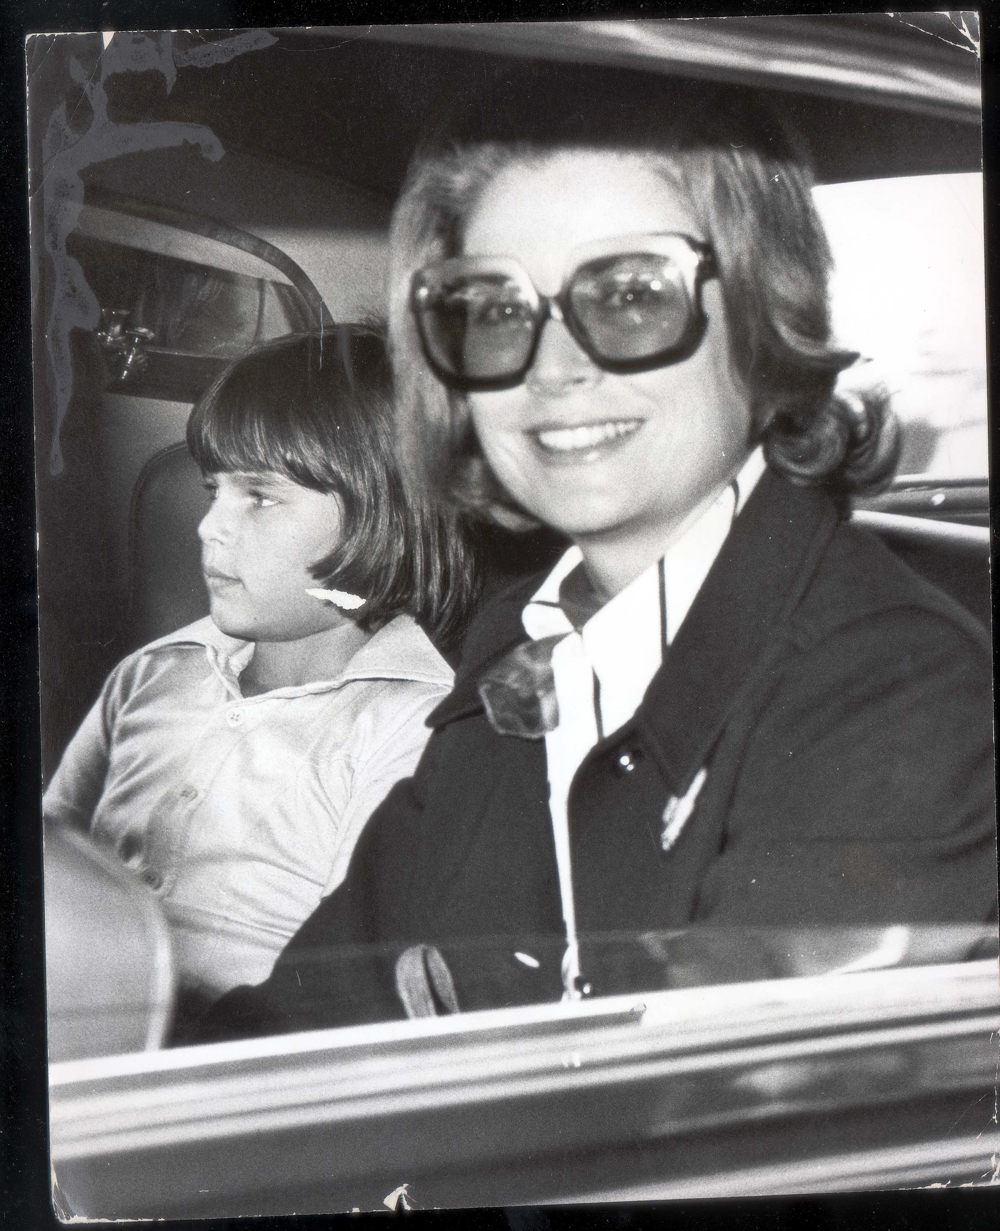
318	410
749	186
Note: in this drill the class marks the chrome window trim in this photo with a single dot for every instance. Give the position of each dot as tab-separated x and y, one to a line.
156	1100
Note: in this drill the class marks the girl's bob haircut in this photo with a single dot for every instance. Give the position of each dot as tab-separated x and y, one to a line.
749	186
317	409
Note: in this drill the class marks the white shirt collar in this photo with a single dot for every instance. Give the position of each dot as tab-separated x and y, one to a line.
624	640
400	650
694	548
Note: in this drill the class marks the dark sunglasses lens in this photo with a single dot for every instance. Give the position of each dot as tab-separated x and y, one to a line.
631	307
479	328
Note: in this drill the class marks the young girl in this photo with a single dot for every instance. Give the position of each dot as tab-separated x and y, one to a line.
234	763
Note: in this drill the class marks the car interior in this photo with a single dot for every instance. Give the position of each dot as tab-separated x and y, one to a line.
192	258
252	200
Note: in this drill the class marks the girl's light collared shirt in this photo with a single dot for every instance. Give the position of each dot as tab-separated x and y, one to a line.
241	813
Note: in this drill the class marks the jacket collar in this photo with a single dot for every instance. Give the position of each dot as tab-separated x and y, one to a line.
757	580
494	631
758	577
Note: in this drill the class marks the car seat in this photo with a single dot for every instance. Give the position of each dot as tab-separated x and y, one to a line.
165	590
954	556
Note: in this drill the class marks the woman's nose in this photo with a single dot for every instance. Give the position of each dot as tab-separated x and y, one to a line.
560	367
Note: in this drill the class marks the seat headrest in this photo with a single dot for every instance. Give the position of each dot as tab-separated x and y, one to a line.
166	590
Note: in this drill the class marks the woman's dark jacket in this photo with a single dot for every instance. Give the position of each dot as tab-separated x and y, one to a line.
842	707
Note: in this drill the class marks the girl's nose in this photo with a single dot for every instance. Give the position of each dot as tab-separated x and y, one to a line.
215	526
560	367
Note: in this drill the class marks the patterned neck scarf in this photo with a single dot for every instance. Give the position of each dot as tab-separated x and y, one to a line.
518	692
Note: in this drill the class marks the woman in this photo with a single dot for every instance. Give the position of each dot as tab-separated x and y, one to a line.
724	704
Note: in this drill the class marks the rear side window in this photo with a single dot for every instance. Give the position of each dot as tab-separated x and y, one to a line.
909	293
175	305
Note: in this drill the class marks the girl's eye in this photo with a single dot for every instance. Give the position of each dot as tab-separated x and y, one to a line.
211	488
260	501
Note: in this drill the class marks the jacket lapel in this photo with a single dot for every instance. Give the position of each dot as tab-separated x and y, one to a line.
495	631
764	566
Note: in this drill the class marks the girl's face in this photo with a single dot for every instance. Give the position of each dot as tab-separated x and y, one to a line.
258	541
597	455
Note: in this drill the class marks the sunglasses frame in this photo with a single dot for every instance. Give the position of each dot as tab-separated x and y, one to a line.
694	257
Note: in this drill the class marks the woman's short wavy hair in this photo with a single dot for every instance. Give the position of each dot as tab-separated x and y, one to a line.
318	410
748	182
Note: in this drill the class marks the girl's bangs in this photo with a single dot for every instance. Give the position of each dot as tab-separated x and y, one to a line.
232	435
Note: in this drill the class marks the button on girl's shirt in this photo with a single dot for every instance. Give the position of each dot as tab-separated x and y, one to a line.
187	793
234	717
130	850
152	878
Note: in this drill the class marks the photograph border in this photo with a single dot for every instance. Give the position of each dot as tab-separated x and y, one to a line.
26	1180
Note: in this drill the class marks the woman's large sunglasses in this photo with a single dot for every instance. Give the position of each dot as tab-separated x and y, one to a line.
631	303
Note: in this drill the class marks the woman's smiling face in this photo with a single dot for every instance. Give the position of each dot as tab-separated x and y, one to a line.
600	456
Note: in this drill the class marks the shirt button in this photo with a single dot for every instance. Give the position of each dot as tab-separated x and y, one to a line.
234	717
626	758
130	849
152	878
188	792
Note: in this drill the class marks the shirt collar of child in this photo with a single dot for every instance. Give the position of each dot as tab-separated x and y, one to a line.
398	651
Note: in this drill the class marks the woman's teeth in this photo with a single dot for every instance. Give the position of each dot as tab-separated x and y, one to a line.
587	436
